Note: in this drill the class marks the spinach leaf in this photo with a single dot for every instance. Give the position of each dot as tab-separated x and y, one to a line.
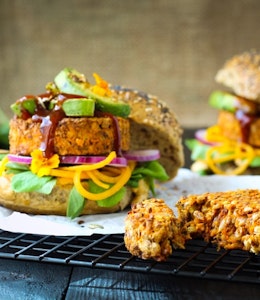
255	162
148	171
109	201
198	150
76	204
47	187
152	169
28	182
14	168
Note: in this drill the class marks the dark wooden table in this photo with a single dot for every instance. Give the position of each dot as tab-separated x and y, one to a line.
21	279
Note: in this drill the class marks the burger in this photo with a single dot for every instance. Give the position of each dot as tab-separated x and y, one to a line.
87	148
232	145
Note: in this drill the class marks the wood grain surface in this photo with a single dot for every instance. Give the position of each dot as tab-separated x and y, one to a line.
22	280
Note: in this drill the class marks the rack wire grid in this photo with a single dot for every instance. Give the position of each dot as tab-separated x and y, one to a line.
198	259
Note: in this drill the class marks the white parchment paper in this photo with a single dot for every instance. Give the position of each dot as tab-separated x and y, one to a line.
184	183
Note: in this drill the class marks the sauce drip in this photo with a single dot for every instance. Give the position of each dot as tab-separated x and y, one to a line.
245	121
117	135
49	117
48	126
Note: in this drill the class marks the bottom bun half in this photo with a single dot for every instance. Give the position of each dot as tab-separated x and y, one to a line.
56	202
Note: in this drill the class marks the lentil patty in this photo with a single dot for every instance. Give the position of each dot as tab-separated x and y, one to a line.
233	130
73	136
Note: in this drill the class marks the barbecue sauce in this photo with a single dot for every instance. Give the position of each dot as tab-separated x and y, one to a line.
245	120
50	118
117	135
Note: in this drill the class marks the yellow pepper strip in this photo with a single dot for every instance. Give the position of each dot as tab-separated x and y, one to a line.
223	159
110	174
95	166
257	152
113	172
64	181
122	180
132	164
214	134
64	174
3	163
102	176
96	180
243	153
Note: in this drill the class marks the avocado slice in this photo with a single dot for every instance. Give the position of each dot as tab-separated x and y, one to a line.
27	104
79	107
230	102
72	82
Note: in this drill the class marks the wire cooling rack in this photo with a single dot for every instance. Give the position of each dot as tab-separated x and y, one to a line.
199	259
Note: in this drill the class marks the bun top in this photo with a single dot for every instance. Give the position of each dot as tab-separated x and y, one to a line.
153	125
241	73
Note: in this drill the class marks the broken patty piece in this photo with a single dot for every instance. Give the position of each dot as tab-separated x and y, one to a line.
152	231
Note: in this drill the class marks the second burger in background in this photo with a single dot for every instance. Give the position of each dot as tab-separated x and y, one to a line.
232	145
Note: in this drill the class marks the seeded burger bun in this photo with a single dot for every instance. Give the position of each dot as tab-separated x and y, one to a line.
153	125
237	130
111	148
241	74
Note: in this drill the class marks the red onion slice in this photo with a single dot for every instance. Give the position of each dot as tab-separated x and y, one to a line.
142	155
72	159
136	155
79	160
19	159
